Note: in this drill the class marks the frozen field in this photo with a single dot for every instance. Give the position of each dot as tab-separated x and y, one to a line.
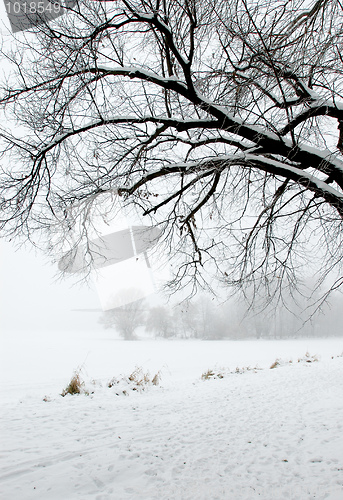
269	434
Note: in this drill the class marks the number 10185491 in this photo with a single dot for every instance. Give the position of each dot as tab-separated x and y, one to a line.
25	14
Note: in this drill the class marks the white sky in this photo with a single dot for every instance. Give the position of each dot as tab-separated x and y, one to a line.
4	24
31	296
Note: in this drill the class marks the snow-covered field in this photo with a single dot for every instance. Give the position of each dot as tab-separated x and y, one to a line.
269	434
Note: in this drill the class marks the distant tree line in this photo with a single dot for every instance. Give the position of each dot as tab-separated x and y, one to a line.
203	318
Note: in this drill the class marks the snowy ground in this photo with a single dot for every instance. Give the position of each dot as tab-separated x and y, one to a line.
269	434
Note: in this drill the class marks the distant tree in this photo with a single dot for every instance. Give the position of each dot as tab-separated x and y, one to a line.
183	319
125	319
201	318
190	320
209	320
159	321
330	324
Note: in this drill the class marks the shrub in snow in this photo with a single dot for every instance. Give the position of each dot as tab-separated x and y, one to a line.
75	386
308	358
215	374
275	364
138	380
280	362
211	374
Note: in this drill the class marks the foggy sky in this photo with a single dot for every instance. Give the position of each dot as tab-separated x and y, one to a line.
32	297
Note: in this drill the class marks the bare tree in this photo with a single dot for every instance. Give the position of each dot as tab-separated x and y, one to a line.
184	319
159	321
207	321
201	319
125	319
220	121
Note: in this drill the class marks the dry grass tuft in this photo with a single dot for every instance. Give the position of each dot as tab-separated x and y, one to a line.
208	375
138	380
156	379
308	358
75	386
275	364
223	372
